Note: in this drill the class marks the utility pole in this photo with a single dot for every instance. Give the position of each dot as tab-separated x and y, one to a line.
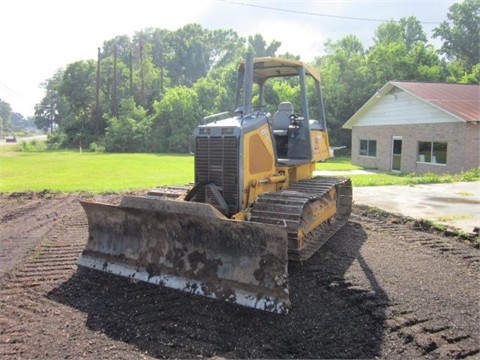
161	72
142	90
96	116
130	67
51	112
114	101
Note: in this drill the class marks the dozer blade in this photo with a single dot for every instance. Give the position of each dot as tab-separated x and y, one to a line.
189	246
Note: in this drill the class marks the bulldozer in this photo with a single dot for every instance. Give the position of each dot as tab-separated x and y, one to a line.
254	204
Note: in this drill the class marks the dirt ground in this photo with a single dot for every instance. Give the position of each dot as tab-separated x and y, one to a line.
380	288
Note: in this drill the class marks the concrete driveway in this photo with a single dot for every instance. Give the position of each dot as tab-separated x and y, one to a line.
455	204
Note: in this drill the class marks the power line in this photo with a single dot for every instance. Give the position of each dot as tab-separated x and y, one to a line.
12	92
318	14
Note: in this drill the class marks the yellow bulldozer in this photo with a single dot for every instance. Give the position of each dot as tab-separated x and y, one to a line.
253	206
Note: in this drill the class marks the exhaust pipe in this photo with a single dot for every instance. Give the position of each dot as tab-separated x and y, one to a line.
248	84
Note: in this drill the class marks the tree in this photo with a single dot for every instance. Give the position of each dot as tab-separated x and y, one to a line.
78	85
426	64
260	46
122	45
408	31
346	84
149	77
401	52
461	34
160	50
114	84
208	91
5	116
192	54
77	95
195	67
289	56
130	131
412	32
225	79
226	46
48	115
175	117
280	91
388	32
19	122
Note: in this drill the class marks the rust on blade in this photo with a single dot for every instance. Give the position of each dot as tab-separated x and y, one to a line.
191	247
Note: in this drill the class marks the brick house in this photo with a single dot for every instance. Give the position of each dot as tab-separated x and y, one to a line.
418	127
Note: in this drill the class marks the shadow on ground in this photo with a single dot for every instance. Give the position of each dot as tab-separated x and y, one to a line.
330	317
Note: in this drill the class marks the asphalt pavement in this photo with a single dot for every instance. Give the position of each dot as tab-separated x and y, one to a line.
3	142
456	205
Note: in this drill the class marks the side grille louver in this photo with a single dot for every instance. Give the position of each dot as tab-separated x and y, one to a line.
216	160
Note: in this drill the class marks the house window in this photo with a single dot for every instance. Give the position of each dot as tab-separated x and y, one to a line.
368	148
432	152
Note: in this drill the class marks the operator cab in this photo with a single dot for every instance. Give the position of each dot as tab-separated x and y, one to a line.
288	135
294	142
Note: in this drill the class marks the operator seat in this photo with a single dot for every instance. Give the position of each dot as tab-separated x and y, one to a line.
281	118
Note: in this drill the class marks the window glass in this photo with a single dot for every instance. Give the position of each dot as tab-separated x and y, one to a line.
424	151
439	153
368	148
372	148
363	147
397	147
432	152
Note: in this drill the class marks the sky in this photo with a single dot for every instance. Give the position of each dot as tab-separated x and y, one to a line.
38	37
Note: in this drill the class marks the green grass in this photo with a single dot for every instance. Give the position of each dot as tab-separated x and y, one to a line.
381	179
69	171
337	164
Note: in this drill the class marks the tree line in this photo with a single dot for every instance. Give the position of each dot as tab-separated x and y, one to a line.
146	93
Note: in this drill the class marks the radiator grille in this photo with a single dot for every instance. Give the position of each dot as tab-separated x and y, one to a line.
216	160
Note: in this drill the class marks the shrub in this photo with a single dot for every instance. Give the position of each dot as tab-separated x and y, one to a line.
94	147
56	141
470	175
34	145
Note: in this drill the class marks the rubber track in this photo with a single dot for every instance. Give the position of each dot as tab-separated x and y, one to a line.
286	207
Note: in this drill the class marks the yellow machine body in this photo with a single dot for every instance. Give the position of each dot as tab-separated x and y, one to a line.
254	205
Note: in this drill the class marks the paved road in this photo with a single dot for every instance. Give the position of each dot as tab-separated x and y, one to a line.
454	204
23	139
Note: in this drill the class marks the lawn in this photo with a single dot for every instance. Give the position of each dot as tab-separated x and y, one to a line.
342	163
69	171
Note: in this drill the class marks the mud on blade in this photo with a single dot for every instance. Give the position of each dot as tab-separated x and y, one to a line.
191	247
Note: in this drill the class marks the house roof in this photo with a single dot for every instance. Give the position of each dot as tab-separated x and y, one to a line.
459	100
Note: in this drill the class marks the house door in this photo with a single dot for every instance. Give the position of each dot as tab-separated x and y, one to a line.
396	153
